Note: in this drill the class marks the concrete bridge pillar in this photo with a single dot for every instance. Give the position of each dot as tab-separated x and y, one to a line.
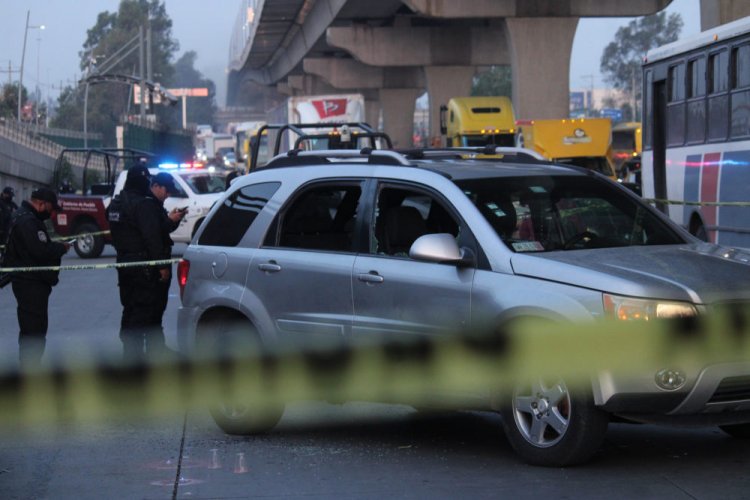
398	114
540	54
444	82
717	12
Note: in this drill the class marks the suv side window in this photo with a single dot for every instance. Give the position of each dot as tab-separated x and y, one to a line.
237	212
320	217
402	215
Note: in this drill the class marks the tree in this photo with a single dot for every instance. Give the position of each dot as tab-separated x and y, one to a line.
495	82
9	100
622	58
108	102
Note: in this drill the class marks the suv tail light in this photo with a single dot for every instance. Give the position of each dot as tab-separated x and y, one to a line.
183	269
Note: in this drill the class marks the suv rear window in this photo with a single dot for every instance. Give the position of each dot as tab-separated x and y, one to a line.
237	212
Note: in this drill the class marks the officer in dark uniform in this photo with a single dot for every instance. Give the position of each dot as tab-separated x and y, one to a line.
140	232
7	207
29	245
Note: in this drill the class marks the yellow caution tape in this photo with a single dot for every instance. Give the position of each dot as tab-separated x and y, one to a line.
81	267
79	235
412	371
700	203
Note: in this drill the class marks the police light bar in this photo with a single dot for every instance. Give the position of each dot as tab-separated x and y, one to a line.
175	166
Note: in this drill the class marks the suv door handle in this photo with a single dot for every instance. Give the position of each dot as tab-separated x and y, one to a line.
371	277
270	267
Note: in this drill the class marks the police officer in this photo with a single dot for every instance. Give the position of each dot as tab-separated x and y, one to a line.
29	245
7	207
140	232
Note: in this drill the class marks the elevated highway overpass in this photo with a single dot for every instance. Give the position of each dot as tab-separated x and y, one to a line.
393	50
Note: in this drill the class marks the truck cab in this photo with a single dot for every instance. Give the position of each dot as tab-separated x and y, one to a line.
85	180
478	121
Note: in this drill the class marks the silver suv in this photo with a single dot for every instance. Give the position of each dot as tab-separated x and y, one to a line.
330	247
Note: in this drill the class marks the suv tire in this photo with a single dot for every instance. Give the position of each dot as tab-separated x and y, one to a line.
550	425
225	335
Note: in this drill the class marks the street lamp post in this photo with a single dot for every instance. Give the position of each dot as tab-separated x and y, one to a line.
23	57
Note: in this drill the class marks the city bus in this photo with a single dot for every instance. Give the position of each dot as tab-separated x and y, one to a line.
696	132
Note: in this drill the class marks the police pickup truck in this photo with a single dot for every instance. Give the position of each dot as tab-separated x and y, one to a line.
104	172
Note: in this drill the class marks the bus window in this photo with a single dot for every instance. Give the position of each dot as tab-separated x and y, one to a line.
696	77
741	66
740	122
718	101
676	106
676	83
648	114
718	72
696	109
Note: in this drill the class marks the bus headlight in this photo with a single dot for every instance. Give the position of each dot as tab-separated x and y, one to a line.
630	309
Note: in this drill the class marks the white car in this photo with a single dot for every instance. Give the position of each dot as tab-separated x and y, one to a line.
199	188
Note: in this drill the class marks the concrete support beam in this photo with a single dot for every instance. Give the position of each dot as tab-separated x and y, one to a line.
535	8
717	12
541	65
398	114
444	82
422	46
349	74
309	85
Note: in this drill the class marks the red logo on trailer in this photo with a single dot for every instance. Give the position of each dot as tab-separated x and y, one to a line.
330	107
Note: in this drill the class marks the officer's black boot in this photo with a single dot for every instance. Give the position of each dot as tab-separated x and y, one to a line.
30	351
156	347
132	349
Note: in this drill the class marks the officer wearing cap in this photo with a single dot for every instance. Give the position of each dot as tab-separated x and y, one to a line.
140	230
7	207
29	245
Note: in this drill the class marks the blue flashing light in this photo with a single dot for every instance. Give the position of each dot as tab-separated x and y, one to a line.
169	166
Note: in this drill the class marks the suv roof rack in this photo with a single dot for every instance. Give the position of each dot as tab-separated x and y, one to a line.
358	130
517	154
297	157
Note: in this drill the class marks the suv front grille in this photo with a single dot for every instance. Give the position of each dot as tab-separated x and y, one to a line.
732	389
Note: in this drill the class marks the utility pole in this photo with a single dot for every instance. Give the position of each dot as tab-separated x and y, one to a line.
142	70
23	56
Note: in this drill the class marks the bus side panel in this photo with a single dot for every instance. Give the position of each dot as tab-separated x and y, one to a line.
674	177
734	186
647	174
692	188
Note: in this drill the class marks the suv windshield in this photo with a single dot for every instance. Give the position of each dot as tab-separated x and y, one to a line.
547	213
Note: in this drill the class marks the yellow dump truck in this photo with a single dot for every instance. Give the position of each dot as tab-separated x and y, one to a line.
478	121
586	142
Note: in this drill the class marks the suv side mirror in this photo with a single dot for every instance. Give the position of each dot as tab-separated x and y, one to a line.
440	248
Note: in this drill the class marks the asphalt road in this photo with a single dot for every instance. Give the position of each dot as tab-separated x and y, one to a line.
319	450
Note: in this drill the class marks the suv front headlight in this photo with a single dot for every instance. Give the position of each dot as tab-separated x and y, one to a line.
630	309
